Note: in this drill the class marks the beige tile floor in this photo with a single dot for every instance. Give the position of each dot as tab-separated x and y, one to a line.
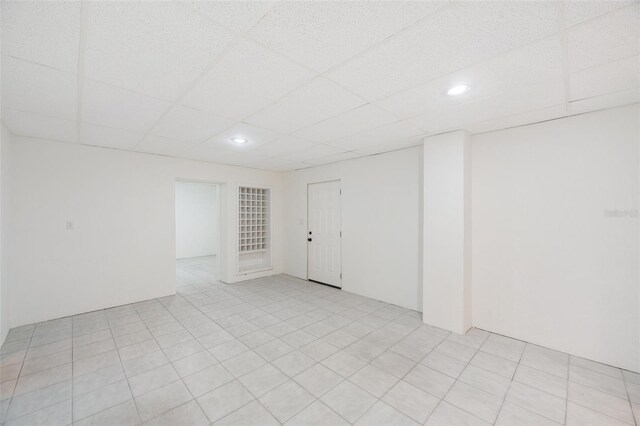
280	350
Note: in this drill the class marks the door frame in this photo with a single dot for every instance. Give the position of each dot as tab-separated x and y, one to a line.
307	231
221	256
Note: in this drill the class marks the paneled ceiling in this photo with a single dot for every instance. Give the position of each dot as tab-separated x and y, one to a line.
306	83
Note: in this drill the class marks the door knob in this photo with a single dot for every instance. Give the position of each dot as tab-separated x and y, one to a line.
309	239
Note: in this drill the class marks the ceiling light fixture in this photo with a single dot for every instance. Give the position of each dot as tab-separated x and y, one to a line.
458	90
239	141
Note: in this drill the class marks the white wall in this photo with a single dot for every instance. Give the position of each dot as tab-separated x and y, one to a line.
446	299
196	220
5	140
381	224
548	266
121	204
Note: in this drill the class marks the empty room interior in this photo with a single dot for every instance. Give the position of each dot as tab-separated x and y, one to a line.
320	213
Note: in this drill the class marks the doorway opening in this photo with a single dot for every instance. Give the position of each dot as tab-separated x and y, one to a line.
197	213
324	233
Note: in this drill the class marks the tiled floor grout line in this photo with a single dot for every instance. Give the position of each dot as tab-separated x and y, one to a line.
13	391
301	299
219	362
288	377
515	370
135	404
630	403
566	401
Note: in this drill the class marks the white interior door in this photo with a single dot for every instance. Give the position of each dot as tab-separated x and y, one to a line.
324	237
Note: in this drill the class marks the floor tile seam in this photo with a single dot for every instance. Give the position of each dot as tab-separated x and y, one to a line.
399	379
220	363
604	414
442	399
36	390
600	389
35	411
135	404
598	373
633	416
504	398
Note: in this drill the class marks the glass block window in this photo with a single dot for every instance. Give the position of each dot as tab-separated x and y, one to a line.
253	220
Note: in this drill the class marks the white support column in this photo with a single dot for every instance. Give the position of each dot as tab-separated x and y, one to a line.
447	232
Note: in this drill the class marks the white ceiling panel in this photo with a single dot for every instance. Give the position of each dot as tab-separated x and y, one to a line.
108	137
530	98
190	125
391	146
107	105
42	32
310	104
461	35
244	80
577	12
154	48
308	154
283	146
333	158
255	136
265	163
239	16
306	82
536	62
528	117
321	34
610	100
607	78
37	88
604	39
385	135
357	120
22	123
215	153
153	144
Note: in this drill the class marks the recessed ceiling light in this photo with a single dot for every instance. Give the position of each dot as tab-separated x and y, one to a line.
458	90
239	141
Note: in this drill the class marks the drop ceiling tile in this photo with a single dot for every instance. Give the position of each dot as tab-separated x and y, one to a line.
577	12
22	123
334	158
610	100
323	34
108	137
271	164
154	48
536	62
605	39
392	146
254	135
190	125
607	78
245	79
355	121
309	154
528	117
461	35
216	153
111	106
153	144
387	135
239	16
521	100
311	103
40	89
42	32
283	146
